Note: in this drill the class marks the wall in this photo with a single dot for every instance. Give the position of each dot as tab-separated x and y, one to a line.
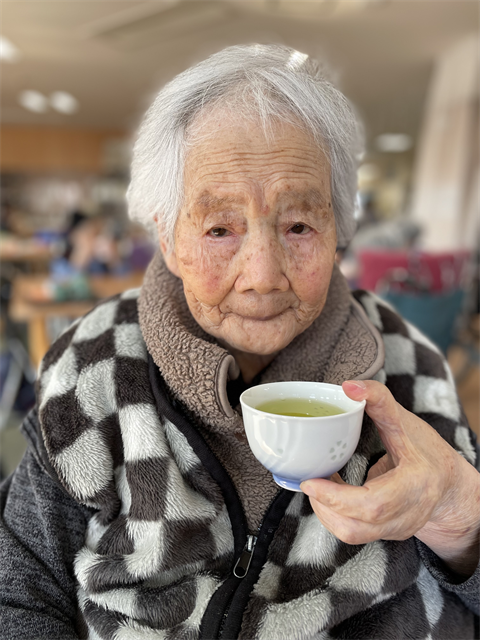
35	149
446	179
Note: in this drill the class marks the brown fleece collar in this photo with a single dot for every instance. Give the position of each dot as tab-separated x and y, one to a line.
341	344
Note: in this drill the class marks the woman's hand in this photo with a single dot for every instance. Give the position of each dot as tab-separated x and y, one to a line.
421	487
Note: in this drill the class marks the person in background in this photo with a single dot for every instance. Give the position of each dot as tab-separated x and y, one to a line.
91	244
91	247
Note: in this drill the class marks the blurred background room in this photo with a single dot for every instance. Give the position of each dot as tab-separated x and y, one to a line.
77	76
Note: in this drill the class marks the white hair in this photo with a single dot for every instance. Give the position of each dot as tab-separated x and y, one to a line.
270	82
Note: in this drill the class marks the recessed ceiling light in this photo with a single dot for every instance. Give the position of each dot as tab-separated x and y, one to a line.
393	142
8	51
64	102
33	101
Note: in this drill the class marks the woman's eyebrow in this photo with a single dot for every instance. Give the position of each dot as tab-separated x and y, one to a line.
311	199
209	202
303	200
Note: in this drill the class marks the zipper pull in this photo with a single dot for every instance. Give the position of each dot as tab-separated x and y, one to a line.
243	563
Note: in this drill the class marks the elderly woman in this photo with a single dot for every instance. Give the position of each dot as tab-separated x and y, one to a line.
139	511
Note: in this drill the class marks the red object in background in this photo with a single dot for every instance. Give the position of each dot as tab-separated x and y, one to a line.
435	272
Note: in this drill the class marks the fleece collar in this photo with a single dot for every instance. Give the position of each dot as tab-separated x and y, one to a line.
341	344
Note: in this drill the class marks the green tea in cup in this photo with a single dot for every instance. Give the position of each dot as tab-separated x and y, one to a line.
299	407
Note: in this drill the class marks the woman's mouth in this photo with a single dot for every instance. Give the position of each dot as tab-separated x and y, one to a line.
260	317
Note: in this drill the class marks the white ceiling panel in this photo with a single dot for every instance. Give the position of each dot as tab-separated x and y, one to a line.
60	14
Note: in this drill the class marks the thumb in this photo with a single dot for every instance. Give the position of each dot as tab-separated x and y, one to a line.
385	412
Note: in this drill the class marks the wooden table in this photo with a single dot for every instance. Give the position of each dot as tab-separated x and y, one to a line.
25	307
24	250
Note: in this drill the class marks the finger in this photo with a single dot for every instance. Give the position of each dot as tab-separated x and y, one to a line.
384	410
337	478
384	465
353	531
345	529
377	501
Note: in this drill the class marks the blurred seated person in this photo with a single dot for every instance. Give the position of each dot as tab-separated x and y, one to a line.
91	248
92	244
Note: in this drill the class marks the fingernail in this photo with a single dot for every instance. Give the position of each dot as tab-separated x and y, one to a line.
307	489
357	383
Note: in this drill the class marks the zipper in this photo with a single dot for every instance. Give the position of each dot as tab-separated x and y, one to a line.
224	613
242	565
240	570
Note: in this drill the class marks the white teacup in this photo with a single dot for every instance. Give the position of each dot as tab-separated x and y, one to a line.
295	449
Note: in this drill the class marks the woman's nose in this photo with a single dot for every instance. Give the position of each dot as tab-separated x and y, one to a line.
262	267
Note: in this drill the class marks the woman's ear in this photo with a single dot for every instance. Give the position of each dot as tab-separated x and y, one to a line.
169	256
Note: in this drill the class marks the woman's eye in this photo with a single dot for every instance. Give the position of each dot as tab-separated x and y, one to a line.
300	229
219	232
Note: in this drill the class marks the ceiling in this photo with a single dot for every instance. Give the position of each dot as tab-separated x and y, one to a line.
113	56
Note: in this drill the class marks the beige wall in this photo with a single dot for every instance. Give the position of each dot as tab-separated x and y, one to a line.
445	198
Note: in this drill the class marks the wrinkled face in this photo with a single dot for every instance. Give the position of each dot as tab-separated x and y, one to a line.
255	240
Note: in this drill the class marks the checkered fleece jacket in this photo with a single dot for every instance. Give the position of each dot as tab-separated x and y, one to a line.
168	526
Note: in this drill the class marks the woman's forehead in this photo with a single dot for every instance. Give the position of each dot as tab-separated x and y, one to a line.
243	142
308	199
237	162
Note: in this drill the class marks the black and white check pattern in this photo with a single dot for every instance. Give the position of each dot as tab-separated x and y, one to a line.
160	542
154	525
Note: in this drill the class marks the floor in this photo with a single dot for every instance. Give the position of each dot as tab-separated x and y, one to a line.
468	389
12	446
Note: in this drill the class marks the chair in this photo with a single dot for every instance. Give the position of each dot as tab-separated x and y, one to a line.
427	289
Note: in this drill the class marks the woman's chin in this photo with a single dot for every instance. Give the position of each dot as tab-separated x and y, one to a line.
261	337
